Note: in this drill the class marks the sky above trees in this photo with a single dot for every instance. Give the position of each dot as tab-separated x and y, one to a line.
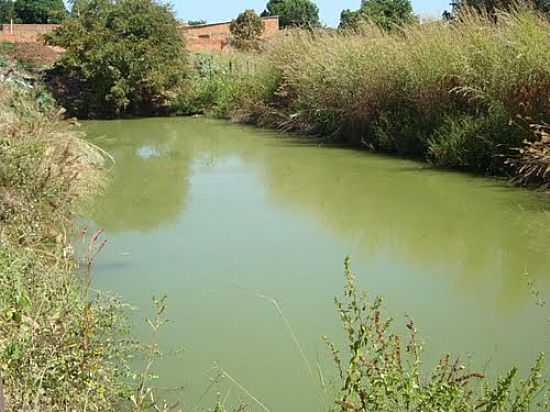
216	10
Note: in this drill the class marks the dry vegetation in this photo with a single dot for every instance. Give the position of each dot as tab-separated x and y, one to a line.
462	95
59	344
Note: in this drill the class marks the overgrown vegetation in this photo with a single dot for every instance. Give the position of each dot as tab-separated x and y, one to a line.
380	371
462	95
213	82
123	57
59	348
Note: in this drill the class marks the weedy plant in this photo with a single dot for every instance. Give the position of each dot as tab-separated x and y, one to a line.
381	371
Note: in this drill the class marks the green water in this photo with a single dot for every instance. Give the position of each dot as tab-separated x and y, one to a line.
222	218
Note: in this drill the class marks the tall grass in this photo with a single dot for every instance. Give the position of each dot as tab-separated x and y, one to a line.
59	345
460	95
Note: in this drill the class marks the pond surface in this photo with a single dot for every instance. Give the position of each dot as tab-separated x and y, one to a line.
224	218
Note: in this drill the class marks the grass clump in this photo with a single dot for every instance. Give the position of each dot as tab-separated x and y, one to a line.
460	94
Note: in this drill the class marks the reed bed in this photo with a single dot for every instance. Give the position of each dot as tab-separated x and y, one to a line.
460	95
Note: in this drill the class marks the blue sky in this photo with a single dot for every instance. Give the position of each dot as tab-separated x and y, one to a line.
221	10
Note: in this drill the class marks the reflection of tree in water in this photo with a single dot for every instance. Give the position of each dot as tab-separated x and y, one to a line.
443	222
434	220
149	182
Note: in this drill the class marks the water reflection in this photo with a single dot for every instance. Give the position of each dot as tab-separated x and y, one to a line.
217	214
471	229
149	182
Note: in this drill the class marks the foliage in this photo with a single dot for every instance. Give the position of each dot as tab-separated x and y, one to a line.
246	30
121	57
382	371
212	83
293	13
78	6
59	347
62	346
7	11
196	22
386	14
40	11
460	95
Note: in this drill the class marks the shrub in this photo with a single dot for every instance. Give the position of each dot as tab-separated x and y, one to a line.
121	57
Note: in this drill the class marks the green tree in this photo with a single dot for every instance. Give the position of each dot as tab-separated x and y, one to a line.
350	19
387	14
6	11
293	13
246	30
196	22
40	11
121	57
77	6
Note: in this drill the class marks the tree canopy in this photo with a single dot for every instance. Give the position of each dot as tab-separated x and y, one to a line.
6	11
385	13
121	57
40	11
246	30
196	22
293	13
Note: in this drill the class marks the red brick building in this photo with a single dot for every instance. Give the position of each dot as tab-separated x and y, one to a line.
215	37
204	37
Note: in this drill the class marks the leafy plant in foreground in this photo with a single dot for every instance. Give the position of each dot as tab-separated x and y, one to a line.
384	372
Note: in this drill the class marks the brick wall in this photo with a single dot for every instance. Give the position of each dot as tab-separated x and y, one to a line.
215	37
206	37
25	33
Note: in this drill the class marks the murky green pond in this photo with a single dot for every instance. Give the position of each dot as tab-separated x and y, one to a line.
223	218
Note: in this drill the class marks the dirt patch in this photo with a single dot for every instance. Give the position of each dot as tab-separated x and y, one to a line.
35	54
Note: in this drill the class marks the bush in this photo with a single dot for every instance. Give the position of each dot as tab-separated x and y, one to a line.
123	57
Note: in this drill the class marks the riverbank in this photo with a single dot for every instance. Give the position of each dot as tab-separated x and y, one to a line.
466	95
61	346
